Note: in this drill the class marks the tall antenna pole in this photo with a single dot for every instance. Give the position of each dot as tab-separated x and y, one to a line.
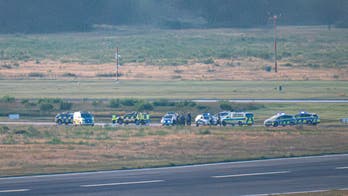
117	63
275	43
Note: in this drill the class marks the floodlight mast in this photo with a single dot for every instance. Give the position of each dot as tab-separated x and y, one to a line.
275	17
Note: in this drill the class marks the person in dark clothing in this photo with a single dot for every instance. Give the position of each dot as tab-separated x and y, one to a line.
182	120
189	118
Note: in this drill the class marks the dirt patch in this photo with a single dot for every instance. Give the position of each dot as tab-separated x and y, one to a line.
221	69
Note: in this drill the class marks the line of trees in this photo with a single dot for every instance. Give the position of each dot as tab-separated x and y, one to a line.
28	16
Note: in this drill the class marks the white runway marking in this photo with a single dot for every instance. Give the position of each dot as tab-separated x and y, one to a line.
341	167
122	183
251	174
14	190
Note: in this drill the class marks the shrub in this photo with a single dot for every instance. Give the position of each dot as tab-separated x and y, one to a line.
106	75
185	104
144	107
204	132
25	101
209	61
9	140
69	75
65	105
176	77
7	66
55	140
202	107
178	71
163	102
114	103
4	129
49	100
8	99
46	107
36	74
287	65
129	102
33	132
267	68
225	106
95	103
311	65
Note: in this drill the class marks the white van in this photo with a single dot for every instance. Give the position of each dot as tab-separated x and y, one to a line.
83	118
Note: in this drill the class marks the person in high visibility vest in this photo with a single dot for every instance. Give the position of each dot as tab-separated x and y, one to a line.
147	118
114	119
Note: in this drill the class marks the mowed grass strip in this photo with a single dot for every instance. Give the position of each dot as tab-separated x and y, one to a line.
37	150
175	89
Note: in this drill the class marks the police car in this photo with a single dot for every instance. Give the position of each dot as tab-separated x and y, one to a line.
307	118
206	119
64	118
280	119
168	119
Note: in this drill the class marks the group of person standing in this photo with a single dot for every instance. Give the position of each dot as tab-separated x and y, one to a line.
182	120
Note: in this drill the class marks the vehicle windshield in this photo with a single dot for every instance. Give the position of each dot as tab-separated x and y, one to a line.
274	117
223	114
86	115
168	116
249	115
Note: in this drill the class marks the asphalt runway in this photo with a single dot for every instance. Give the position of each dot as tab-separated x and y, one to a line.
273	176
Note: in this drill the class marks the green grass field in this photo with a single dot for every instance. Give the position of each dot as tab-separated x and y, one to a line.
303	46
174	89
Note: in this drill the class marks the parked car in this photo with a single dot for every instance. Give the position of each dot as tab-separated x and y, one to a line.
307	118
280	119
168	120
64	118
206	119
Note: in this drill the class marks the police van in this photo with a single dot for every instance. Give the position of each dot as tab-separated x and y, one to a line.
238	118
83	118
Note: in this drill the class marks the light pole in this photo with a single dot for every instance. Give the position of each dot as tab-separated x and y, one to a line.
117	56
275	17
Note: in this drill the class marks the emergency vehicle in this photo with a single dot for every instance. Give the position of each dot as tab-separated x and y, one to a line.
137	118
64	118
238	118
307	118
83	118
280	119
206	119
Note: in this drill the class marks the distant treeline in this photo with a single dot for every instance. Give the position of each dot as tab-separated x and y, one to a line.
36	16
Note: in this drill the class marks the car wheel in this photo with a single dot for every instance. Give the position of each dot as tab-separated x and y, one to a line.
60	122
275	124
240	123
224	123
